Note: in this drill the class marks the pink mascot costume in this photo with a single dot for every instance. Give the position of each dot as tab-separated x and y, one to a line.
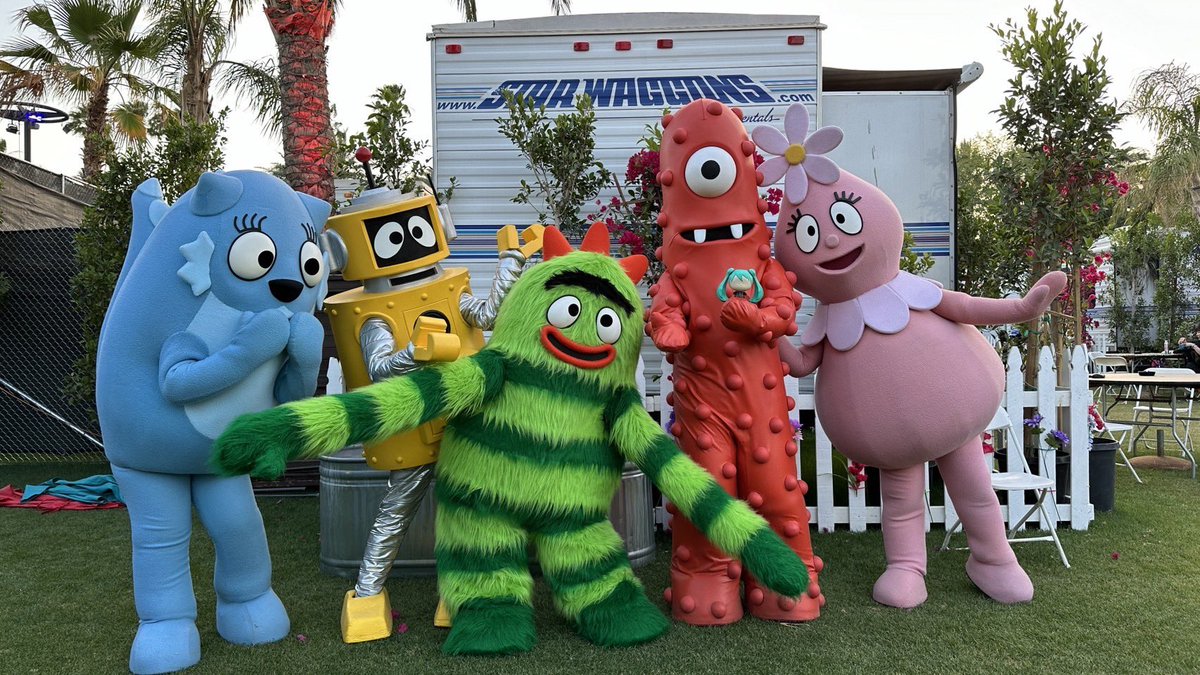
731	410
905	377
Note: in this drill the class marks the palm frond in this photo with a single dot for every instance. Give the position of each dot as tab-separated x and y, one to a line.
560	7
129	120
257	82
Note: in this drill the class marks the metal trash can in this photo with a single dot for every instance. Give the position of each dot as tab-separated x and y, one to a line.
350	494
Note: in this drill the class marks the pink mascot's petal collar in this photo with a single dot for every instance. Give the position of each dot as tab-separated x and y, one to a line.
884	309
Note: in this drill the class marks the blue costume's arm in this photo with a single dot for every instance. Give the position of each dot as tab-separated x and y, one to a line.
298	377
188	372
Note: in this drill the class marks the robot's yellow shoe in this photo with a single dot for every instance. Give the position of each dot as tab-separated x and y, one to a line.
442	618
365	619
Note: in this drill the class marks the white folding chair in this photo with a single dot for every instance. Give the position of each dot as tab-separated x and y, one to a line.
1103	363
1003	481
1121	433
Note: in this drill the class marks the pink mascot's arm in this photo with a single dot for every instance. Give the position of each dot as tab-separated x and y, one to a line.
963	308
667	327
802	361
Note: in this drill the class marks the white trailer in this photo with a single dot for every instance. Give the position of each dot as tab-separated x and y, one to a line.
900	126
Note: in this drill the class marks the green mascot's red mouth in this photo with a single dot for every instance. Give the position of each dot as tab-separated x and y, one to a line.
581	356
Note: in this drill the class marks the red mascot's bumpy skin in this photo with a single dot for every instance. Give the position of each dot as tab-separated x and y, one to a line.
731	410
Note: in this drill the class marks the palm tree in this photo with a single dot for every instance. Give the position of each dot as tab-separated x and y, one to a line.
467	7
195	35
301	28
1168	100
83	51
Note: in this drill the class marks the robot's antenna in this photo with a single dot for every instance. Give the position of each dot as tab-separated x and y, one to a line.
363	154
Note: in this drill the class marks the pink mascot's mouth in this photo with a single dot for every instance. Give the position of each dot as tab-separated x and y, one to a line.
843	261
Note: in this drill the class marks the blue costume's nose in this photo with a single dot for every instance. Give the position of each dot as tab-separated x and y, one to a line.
285	290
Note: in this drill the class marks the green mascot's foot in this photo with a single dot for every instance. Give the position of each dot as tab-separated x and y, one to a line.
491	627
624	618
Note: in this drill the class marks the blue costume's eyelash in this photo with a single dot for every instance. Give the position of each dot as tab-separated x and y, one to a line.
847	197
248	221
794	221
310	232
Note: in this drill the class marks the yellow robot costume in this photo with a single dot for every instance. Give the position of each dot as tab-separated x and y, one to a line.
394	244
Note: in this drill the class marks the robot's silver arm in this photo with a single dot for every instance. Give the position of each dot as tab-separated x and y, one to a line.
379	351
481	312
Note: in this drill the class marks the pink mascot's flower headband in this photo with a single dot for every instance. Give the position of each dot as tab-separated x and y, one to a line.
800	156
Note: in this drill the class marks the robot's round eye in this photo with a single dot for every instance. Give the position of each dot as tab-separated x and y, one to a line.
311	263
564	312
422	232
252	255
608	325
389	239
807	234
846	217
710	172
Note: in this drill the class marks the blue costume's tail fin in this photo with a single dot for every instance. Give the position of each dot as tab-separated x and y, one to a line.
148	210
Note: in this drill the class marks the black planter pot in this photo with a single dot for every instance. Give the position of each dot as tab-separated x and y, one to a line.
1102	474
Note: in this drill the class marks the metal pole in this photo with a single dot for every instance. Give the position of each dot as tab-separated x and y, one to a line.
28	140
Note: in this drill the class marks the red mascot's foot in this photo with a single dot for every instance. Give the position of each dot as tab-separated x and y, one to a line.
705	600
768	606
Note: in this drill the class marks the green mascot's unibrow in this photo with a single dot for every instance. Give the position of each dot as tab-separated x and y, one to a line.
539	424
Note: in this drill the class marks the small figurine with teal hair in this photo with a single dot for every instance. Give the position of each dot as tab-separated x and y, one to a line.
740	284
212	317
538	426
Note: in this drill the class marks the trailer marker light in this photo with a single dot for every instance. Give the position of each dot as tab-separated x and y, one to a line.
666	44
624	45
582	46
453	49
795	39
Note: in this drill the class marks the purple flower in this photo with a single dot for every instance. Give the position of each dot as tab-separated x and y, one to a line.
1061	437
801	156
1035	421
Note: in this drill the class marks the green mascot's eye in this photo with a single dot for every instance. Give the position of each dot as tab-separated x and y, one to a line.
564	312
608	326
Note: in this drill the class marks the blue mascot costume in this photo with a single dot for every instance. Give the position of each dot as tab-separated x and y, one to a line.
212	317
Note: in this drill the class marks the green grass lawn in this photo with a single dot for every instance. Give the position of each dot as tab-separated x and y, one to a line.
68	606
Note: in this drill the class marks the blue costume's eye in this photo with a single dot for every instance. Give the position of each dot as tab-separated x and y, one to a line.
608	326
564	312
311	263
252	255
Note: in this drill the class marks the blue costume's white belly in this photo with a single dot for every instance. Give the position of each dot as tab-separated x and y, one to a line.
216	323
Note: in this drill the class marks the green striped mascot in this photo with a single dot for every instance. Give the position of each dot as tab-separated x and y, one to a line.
539	425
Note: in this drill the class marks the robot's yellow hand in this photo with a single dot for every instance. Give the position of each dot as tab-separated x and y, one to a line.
431	342
507	240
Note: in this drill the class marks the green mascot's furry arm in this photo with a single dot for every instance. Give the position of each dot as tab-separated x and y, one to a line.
538	426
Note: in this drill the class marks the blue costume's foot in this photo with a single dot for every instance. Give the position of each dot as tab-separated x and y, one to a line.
257	621
164	647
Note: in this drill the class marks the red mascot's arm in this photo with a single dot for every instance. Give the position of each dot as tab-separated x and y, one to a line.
968	309
775	314
667	327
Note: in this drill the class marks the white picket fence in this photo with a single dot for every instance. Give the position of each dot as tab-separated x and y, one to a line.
1052	402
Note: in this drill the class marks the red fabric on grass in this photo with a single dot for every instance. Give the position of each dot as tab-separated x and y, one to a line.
11	497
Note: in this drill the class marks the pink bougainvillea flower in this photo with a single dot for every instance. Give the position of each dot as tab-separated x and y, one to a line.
402	628
800	155
302	638
1115	555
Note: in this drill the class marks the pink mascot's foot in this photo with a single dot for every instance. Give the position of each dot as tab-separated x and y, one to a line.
1005	583
901	588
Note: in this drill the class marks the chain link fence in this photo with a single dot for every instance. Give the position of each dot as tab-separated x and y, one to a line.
39	326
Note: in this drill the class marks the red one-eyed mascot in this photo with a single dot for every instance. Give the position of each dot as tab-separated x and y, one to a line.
731	410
